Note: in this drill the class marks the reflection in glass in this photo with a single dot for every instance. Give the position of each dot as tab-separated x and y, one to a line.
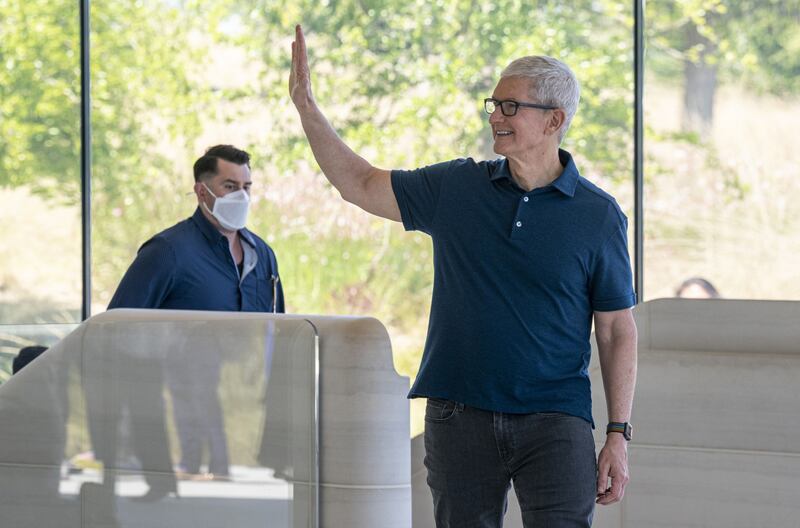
97	435
14	338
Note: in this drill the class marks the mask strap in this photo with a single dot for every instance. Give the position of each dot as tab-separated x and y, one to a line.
209	190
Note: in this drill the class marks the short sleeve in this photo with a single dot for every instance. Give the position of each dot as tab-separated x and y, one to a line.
612	281
417	194
149	279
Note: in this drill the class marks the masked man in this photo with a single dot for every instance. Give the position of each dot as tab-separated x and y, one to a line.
209	261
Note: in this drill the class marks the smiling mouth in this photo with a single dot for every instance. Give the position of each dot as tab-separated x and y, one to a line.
502	133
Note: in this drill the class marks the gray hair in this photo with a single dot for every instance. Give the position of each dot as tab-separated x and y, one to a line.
552	83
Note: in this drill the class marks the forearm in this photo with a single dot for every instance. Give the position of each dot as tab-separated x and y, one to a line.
618	359
356	180
345	169
616	343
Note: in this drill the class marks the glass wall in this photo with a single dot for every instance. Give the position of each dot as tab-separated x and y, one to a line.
149	75
722	197
40	243
133	421
402	82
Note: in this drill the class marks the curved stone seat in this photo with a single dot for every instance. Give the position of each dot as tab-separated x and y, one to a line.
315	418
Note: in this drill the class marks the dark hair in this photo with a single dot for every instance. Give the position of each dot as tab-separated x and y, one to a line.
25	356
206	166
702	283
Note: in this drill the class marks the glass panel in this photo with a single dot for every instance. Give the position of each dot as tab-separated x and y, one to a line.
170	80
722	197
27	341
147	99
139	423
40	243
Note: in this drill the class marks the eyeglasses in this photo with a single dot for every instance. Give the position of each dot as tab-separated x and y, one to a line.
509	108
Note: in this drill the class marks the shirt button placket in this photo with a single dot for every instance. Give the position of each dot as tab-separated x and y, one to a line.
519	222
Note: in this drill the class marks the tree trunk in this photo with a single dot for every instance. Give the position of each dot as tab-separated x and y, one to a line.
700	84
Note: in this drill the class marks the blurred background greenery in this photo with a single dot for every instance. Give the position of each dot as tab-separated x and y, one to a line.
402	81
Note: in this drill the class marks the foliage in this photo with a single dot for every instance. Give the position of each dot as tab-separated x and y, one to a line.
752	41
39	95
403	81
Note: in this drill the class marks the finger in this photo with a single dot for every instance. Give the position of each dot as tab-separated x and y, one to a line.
615	492
602	498
608	498
618	486
602	479
605	499
300	41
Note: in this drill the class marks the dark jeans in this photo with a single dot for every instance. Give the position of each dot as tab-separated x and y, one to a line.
473	455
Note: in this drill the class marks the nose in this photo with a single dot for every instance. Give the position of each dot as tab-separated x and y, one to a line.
496	116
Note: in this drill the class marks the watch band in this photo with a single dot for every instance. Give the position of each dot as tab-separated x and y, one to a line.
624	428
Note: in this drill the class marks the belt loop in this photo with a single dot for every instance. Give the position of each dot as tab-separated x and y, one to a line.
459	406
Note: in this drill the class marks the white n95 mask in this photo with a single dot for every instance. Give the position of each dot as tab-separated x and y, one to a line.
230	210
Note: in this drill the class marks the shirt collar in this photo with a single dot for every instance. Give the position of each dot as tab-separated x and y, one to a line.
212	233
565	183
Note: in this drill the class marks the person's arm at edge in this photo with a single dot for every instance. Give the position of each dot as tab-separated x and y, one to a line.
355	178
616	337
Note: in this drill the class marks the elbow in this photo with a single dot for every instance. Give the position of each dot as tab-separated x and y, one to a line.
623	342
349	196
356	191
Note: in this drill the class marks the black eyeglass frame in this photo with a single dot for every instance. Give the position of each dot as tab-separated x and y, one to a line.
514	104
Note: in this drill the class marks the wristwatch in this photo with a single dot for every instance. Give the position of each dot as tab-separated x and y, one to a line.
623	428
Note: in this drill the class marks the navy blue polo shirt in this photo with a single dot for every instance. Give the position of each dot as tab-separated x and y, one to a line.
190	267
517	277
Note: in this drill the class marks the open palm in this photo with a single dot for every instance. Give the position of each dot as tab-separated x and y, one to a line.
300	76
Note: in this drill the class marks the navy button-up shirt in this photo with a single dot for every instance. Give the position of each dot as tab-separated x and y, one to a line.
190	267
517	277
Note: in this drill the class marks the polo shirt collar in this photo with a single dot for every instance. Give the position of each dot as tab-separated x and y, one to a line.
568	180
565	183
212	233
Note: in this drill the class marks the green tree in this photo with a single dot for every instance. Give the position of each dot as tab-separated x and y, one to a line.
705	42
146	109
408	78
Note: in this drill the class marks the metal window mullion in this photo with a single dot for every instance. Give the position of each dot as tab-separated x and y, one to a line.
638	155
86	164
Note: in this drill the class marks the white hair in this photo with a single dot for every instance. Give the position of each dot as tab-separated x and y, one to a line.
552	83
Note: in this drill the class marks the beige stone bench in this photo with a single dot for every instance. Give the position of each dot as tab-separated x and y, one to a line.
359	404
716	416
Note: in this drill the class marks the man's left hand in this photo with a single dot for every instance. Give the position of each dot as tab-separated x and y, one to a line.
612	464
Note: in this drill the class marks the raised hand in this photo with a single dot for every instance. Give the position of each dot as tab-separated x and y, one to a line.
300	76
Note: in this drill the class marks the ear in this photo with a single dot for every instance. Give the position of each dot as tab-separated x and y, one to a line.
556	121
199	191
